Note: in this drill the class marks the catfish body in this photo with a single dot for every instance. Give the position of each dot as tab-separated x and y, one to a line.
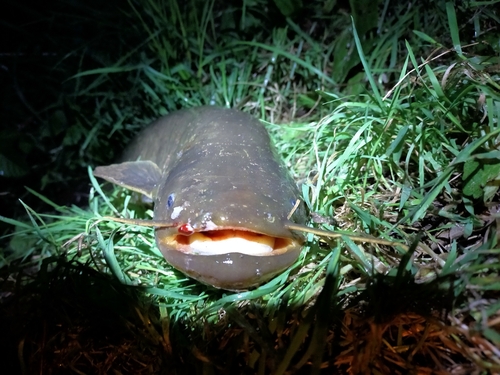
215	177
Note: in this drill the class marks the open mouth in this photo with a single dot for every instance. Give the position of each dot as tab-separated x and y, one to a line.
225	241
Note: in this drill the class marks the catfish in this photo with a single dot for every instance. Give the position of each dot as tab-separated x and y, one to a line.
226	210
215	178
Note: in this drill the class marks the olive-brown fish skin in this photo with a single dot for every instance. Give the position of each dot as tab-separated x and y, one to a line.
210	168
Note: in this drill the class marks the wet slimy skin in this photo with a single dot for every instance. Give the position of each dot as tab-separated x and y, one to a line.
214	176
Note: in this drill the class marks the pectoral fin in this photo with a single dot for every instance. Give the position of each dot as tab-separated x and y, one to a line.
139	176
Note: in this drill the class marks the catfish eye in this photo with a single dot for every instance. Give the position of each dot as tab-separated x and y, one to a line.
170	200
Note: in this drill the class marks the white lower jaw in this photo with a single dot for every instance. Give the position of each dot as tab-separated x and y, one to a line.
202	245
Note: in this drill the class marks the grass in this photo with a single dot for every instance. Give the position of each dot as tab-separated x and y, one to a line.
396	138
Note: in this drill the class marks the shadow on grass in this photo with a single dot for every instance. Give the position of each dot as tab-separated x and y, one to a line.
73	319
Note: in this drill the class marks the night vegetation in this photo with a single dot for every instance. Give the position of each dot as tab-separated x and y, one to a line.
387	117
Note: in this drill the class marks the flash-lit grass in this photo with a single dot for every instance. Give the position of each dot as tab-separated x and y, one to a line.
405	149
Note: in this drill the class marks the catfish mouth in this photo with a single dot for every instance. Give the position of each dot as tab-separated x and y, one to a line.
224	241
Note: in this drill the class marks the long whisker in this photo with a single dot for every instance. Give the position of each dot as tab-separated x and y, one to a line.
333	234
143	223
